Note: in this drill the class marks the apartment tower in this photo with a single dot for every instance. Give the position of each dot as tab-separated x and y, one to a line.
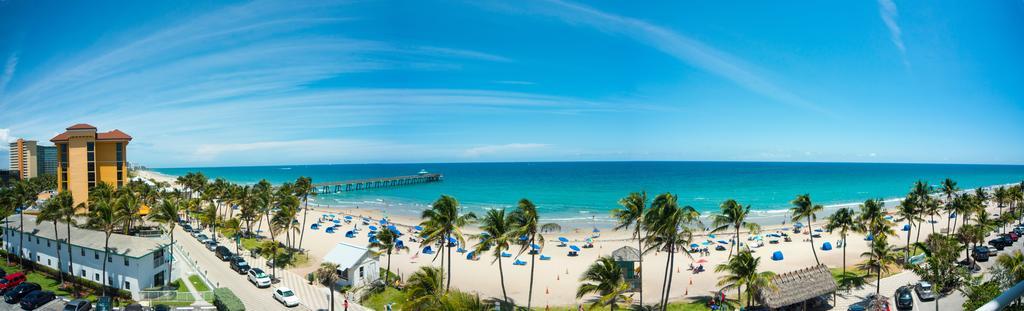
86	158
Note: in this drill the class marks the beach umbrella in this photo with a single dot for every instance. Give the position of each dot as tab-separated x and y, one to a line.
757	237
418	228
711	236
705	243
722	242
702	260
563	239
827	246
383	221
694	245
869	238
906	227
574	248
534	246
523	237
452	240
349	217
777	255
596	230
337	221
392	228
953	215
798	225
470	255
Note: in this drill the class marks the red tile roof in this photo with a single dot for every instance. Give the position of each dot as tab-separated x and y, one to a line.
81	126
112	135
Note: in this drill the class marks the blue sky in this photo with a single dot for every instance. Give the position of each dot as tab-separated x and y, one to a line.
251	83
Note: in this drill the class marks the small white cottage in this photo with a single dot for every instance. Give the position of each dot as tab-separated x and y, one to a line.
357	266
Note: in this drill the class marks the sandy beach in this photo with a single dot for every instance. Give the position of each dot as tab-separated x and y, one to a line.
556	279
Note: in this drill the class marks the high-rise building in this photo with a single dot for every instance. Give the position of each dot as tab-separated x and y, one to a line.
86	158
30	159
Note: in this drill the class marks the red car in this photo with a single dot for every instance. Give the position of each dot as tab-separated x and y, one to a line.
1013	236
11	280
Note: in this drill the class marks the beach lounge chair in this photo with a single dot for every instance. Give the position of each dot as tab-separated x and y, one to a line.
460	250
506	255
543	257
519	262
573	254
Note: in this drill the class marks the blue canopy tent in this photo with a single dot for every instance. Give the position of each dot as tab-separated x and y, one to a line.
827	246
574	248
348	217
373	228
427	250
472	256
329	230
777	255
350	234
314	227
543	257
399	244
906	227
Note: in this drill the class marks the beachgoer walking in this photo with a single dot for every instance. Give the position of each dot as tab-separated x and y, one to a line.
345	304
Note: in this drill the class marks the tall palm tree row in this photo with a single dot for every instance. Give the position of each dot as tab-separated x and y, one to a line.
668	229
803	208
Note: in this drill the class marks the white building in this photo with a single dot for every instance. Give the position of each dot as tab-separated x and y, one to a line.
134	263
357	266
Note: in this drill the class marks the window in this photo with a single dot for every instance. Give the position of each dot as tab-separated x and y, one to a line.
110	259
125	261
47	243
360	272
82	273
91	163
48	261
38	259
96	255
96	276
127	285
110	280
83	251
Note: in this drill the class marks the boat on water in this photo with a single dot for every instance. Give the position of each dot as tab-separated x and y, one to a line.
423	172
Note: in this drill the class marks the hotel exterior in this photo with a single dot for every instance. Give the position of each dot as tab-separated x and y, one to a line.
135	263
86	158
31	160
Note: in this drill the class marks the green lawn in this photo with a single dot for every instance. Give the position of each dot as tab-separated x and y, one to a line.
198	283
43	280
285	258
389	295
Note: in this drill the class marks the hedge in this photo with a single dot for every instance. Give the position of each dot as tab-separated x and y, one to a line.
225	300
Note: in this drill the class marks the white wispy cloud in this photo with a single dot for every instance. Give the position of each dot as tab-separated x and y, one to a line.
889	13
500	149
9	66
681	47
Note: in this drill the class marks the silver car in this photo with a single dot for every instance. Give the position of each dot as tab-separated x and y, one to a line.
924	291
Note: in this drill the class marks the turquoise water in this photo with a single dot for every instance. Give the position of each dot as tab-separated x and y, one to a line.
580	191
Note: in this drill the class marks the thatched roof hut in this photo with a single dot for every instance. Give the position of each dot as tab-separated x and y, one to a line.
798	286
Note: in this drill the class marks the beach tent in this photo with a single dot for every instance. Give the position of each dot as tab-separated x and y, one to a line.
336	221
472	256
953	215
329	230
383	221
827	246
399	244
314	226
777	255
452	241
906	227
373	228
349	234
427	250
869	238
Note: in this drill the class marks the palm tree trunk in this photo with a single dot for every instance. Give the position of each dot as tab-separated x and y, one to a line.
71	262
331	289
811	228
533	260
388	275
932	221
668	288
918	238
878	284
106	256
170	268
21	241
664	279
501	276
911	226
60	266
305	209
640	249
448	285
735	244
844	253
7	227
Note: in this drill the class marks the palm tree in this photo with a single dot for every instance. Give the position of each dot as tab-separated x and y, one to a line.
385	243
931	208
742	271
269	249
24	196
604	278
804	209
880	258
525	221
104	215
304	188
51	212
444	221
66	205
950	189
908	210
328	276
872	221
423	291
844	221
1001	198
733	215
632	214
667	227
167	213
496	228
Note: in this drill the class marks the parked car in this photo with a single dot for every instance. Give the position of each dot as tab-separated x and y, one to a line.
37	299
223	253
259	278
202	238
980	253
11	280
924	291
239	265
210	244
904	300
3	273
999	243
187	228
993	251
134	307
286	297
15	294
78	305
161	308
104	303
1013	236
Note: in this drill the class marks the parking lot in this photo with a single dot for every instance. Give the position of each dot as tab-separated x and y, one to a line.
55	305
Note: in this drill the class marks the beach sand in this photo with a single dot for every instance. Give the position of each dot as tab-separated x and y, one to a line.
556	280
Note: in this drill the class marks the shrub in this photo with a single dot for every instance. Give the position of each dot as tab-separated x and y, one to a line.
225	300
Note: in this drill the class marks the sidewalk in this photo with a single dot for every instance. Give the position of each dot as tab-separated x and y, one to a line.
314	297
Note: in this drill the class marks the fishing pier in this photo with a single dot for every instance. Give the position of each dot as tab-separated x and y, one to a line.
374	183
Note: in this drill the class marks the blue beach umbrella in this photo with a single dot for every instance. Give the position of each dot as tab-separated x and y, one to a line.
906	227
392	228
383	221
595	230
777	256
534	246
711	236
722	242
452	240
349	217
418	228
827	246
523	237
694	245
563	240
953	215
337	221
373	228
574	248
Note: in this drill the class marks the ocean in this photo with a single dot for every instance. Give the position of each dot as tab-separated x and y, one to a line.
583	192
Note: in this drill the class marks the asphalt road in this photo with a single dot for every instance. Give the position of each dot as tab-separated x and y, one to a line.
221	274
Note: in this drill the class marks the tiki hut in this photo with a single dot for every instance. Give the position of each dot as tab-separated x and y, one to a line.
798	286
626	257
